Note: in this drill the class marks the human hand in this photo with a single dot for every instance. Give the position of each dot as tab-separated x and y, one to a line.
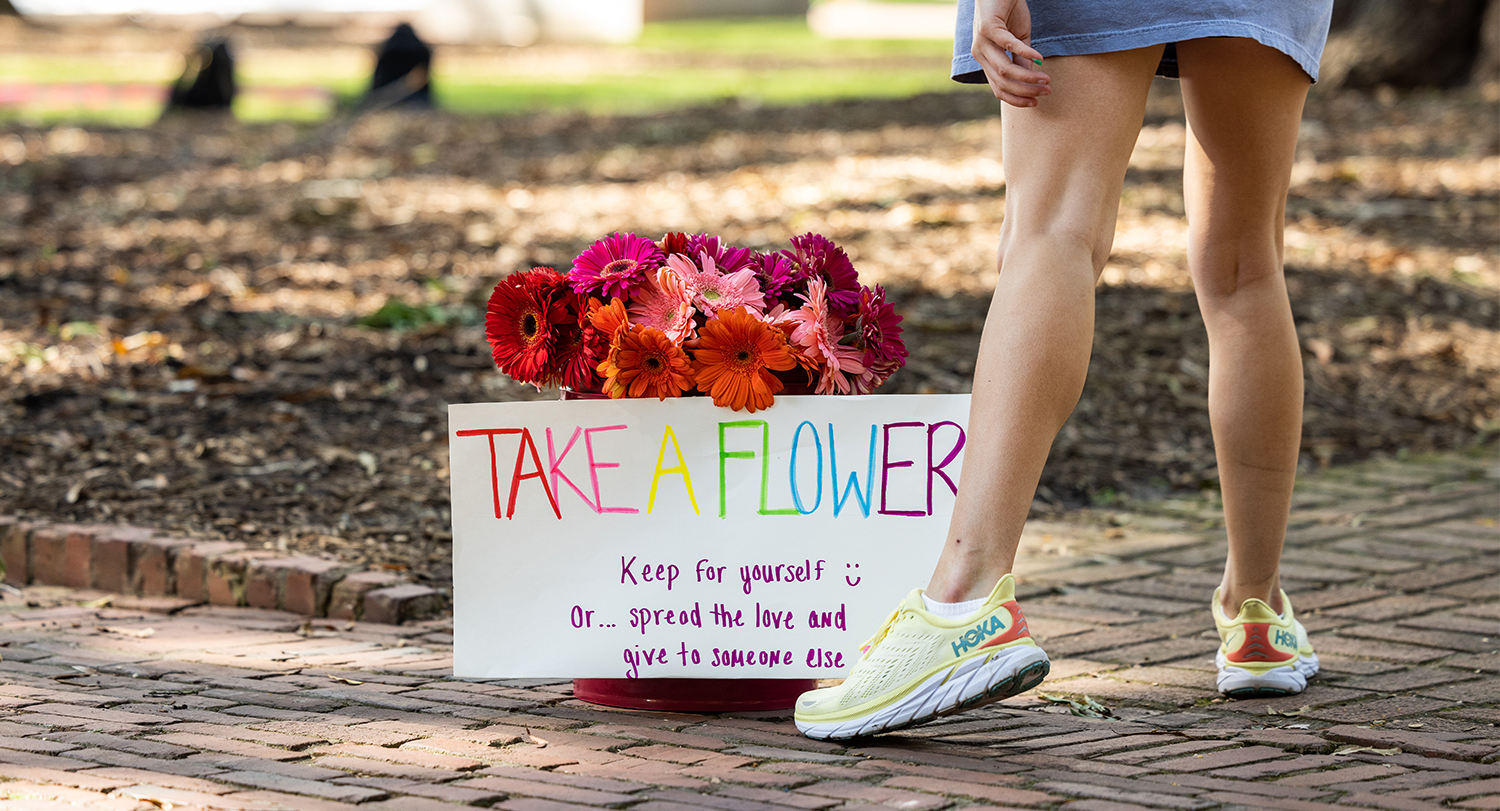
1001	26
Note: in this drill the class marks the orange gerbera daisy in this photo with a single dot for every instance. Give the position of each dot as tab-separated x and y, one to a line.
734	359
608	318
643	362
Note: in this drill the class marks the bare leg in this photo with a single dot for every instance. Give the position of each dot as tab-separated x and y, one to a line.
1244	102
1065	163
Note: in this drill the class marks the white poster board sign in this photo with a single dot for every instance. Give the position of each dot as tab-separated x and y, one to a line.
648	539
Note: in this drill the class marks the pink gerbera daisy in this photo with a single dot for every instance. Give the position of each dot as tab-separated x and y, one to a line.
713	291
613	266
665	304
818	333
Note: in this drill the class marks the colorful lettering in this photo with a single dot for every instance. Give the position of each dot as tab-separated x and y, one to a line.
595	467
687	479
868	493
765	467
792	468
938	468
491	433
527	443
886	464
554	461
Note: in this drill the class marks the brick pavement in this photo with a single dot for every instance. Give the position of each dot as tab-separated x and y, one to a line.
147	704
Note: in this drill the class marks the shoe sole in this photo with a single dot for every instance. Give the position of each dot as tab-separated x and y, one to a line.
1237	682
965	685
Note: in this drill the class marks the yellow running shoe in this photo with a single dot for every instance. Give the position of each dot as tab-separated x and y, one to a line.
1263	653
921	666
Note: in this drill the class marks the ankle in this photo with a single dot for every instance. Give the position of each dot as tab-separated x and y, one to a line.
1231	597
962	588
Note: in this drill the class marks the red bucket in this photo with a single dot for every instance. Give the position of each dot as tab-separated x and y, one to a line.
688	695
694	695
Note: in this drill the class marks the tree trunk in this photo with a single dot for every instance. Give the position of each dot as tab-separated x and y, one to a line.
1403	43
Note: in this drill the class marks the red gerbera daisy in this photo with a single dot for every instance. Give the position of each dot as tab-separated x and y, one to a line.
577	346
519	323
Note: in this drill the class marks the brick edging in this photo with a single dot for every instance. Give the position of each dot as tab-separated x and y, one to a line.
141	562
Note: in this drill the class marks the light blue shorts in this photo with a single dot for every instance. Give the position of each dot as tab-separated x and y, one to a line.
1297	28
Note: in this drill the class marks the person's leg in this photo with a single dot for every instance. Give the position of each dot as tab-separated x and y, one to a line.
1065	162
1244	102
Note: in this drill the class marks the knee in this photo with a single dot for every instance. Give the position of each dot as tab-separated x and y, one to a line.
1224	268
1055	242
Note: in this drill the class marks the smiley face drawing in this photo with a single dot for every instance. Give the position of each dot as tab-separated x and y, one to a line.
856	579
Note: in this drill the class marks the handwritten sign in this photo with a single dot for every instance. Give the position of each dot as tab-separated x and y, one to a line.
648	539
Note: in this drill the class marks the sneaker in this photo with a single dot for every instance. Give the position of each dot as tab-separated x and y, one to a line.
921	666
1263	653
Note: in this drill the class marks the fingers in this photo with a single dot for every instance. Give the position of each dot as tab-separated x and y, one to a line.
1012	76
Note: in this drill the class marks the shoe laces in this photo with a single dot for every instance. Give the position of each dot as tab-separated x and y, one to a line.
880	635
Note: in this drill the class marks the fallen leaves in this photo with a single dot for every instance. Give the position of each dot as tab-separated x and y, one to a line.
1085	707
1354	750
180	343
137	633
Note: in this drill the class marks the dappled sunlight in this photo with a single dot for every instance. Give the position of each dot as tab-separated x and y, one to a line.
213	322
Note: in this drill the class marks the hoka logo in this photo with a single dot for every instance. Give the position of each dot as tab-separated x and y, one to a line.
1286	639
974	636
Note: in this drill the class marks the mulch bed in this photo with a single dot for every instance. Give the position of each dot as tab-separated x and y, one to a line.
179	306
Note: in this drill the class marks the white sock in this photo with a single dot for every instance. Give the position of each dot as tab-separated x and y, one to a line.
951	611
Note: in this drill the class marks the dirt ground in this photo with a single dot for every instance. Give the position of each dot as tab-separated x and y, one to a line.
180	341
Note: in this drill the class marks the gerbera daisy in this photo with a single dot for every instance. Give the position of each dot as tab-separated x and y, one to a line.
665	303
818	333
608	319
779	317
878	329
519	321
674	242
613	266
735	359
713	291
775	273
578	346
817	256
646	363
727	257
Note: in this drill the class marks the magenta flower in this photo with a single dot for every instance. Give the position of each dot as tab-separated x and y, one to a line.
776	274
726	257
877	331
615	265
816	256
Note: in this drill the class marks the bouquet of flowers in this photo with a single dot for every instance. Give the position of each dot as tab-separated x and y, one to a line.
636	318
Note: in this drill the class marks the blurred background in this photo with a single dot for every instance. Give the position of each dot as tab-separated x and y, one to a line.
245	245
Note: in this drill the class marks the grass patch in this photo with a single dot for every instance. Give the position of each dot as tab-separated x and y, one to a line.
767	60
783	37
